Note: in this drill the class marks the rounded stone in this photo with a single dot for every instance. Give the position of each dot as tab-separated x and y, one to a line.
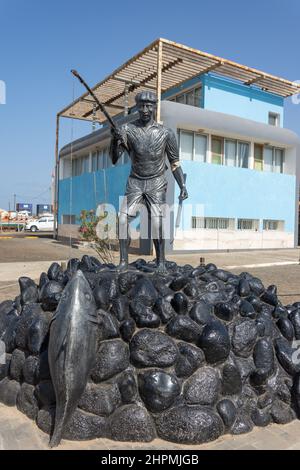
285	356
295	319
144	288
244	288
281	412
227	411
184	328
164	309
29	290
242	425
215	342
256	286
31	370
132	423
127	280
263	356
108	327
244	337
150	348
180	303
127	329
112	357
16	365
201	313
127	386
225	311
4	368
82	426
9	390
10	331
179	283
120	307
55	272
143	314
231	380
190	358
37	333
247	310
101	297
26	401
158	390
100	400
203	387
189	425
286	328
29	313
50	295
261	418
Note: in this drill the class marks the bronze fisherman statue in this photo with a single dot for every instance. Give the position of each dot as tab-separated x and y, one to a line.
148	142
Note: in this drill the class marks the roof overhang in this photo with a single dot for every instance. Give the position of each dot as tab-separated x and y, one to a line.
162	66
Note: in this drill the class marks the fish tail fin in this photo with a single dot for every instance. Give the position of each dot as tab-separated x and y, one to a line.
60	419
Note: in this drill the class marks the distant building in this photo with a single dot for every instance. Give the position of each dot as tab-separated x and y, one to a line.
242	165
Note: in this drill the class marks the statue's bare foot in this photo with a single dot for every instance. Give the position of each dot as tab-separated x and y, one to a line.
161	268
123	266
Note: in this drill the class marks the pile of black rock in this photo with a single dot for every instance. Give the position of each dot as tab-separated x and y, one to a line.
185	356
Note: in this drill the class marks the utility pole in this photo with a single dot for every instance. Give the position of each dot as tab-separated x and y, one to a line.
15	202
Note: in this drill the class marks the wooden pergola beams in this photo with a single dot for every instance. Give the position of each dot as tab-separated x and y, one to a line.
164	65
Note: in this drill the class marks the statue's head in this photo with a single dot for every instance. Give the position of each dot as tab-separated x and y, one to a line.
146	105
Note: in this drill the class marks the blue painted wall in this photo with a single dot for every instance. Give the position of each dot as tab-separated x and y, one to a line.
88	190
228	96
239	193
248	102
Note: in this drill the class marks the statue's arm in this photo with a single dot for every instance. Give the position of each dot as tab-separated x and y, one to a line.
118	143
173	157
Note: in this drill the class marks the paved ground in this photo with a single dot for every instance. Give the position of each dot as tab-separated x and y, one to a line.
29	256
20	433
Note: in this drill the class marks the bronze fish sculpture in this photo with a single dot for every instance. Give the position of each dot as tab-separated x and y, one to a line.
72	349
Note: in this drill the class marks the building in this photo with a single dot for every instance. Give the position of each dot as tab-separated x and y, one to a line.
242	165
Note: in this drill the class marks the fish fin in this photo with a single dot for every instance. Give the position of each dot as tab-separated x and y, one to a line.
60	418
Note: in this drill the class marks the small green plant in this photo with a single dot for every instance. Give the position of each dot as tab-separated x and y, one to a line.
88	232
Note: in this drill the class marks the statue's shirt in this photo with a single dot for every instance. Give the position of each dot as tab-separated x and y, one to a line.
148	147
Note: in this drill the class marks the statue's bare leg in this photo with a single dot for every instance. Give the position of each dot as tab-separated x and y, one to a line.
159	243
124	241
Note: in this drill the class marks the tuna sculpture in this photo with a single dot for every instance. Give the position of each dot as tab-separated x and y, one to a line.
72	349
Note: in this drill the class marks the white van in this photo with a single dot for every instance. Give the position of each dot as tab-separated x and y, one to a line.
45	224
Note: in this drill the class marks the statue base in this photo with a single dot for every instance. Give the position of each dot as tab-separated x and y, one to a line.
185	356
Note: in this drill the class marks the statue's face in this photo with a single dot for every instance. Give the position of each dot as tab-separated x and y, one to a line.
146	110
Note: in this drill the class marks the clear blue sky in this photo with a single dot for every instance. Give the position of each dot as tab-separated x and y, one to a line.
40	41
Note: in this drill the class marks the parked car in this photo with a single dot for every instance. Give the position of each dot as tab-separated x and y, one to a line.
45	224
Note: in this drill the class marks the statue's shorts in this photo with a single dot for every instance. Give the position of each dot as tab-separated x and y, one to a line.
150	193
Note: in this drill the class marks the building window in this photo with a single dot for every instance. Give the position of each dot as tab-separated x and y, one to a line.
192	146
273	159
217	150
76	167
258	157
68	219
274	119
191	97
212	223
236	153
278	160
248	224
273	225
